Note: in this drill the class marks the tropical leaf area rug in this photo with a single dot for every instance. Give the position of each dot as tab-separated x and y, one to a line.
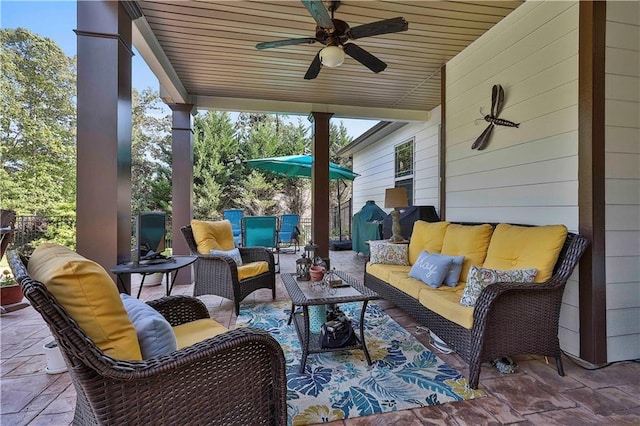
340	385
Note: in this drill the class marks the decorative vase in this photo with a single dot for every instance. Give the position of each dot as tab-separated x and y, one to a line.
317	317
10	294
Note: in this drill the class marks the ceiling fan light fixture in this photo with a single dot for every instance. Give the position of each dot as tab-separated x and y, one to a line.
332	56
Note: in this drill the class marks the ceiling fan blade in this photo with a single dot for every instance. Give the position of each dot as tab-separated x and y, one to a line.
364	57
288	42
314	68
393	25
318	13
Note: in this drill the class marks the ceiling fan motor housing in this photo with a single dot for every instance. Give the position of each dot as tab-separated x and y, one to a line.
333	36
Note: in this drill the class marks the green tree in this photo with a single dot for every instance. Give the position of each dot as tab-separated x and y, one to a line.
150	153
216	158
37	125
37	132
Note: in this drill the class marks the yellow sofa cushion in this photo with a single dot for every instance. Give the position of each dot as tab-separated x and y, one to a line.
524	247
470	241
447	304
252	269
89	296
427	236
382	271
196	331
402	281
212	235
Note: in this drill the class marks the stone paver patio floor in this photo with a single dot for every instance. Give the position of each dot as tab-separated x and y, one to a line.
535	394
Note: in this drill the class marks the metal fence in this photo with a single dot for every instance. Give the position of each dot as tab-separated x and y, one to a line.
339	226
31	230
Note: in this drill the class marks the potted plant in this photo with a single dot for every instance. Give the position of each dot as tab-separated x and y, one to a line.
10	291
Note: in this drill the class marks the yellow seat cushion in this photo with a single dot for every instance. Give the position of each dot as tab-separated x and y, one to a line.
252	269
402	281
524	247
470	241
209	235
196	331
89	296
427	236
382	271
447	304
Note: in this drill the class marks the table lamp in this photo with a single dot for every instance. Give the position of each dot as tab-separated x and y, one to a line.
395	198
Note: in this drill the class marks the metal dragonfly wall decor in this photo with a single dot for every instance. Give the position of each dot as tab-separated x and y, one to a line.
497	102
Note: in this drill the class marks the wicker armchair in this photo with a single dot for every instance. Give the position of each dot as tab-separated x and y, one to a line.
235	378
219	274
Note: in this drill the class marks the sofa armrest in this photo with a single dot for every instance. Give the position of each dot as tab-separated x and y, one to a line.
521	296
180	309
242	371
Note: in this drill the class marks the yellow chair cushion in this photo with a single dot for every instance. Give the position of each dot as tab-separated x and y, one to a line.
196	331
252	269
524	247
382	270
212	235
447	304
426	236
89	296
470	241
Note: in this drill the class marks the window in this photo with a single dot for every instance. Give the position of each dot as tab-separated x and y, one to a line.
404	168
404	159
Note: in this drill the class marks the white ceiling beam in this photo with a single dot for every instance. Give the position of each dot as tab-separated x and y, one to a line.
305	108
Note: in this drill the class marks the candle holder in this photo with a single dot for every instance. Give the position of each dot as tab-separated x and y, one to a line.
302	268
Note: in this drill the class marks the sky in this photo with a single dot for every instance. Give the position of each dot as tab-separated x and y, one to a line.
57	20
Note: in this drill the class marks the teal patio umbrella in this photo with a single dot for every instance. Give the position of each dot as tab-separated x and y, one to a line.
298	166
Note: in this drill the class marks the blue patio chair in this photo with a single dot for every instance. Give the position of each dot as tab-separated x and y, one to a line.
261	231
235	217
289	232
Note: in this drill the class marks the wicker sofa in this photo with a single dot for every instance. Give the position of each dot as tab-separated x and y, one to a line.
508	318
235	378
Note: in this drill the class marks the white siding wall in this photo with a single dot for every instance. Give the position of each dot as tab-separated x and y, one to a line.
375	164
529	174
622	179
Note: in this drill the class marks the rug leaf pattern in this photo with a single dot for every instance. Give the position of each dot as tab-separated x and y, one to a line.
340	385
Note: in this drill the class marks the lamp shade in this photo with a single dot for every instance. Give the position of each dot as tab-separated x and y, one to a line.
332	56
395	197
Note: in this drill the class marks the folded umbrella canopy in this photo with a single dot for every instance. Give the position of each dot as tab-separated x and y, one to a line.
298	166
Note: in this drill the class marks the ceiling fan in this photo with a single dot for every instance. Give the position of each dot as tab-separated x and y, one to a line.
336	35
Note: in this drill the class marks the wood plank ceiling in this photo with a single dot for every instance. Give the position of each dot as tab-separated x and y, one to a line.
211	47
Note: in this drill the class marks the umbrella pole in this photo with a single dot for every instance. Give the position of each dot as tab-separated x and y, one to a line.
339	210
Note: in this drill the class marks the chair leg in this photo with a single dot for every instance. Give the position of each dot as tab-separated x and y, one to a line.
273	292
237	303
559	366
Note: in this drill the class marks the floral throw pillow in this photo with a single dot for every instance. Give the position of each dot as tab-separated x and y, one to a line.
234	254
388	253
431	268
479	278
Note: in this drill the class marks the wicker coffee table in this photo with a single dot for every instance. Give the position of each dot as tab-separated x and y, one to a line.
302	296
